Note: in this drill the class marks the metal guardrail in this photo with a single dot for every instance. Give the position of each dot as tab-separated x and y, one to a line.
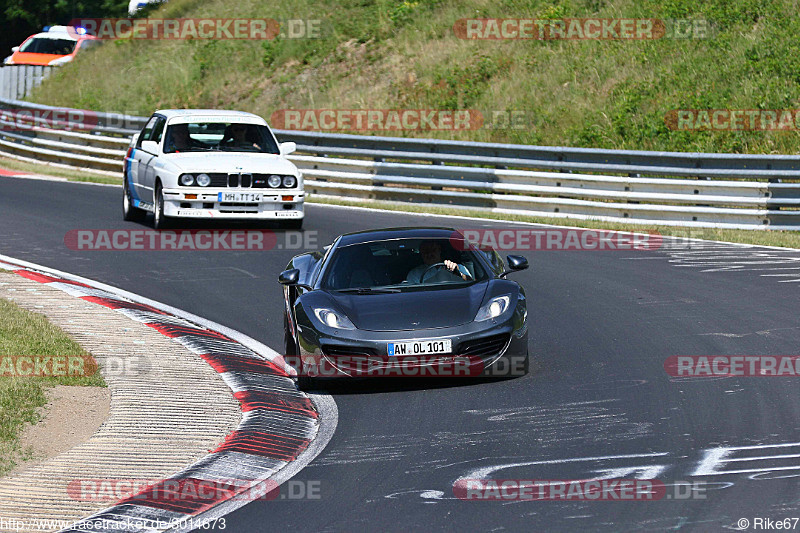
672	188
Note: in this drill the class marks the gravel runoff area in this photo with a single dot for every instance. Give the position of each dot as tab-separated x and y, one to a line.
156	423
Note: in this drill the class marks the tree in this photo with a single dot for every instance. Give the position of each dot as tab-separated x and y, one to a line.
21	18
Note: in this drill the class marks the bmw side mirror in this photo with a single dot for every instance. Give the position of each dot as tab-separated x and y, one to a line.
151	147
289	277
288	148
515	264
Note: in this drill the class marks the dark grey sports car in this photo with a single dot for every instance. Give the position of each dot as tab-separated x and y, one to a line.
404	302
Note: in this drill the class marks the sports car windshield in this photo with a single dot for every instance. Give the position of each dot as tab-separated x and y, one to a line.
397	264
219	136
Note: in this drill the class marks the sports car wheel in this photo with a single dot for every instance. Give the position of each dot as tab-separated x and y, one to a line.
293	354
128	211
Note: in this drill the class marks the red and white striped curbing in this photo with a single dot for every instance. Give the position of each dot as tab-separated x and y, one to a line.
281	428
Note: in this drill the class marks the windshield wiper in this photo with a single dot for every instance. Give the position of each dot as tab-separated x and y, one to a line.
369	290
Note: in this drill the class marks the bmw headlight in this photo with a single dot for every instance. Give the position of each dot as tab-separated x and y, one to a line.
289	181
332	319
186	180
496	307
203	180
274	181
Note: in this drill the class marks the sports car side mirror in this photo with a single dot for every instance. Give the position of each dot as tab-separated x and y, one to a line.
288	148
515	264
289	277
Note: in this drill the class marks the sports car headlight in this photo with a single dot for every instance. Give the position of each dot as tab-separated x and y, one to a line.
274	181
186	180
289	181
496	307
203	180
332	319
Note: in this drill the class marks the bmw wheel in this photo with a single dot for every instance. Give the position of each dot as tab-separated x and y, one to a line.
128	211
159	220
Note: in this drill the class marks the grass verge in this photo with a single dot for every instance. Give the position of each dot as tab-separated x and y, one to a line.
23	332
58	172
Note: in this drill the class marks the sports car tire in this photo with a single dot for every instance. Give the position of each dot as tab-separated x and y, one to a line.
290	349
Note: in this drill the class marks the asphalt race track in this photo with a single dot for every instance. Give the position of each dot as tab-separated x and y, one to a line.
598	402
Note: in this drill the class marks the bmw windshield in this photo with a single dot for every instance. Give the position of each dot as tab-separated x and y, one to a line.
397	264
222	136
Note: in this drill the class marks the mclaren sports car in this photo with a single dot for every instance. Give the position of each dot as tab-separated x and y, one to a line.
404	302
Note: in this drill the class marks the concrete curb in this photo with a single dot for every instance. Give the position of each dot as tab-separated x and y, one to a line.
280	430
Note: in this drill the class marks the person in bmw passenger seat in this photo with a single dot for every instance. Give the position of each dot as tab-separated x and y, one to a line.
431	252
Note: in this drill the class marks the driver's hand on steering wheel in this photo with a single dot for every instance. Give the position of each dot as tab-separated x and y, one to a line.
452	266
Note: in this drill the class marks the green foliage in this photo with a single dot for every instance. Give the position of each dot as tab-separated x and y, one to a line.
25	333
39	13
374	54
461	86
403	11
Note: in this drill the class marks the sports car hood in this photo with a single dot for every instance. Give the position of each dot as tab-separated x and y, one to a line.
420	309
231	162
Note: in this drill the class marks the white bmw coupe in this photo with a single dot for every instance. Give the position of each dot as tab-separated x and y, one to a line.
201	163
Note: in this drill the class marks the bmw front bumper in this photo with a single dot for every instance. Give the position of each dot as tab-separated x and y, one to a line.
196	202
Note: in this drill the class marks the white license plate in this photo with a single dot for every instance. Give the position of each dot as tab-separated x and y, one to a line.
420	347
239	197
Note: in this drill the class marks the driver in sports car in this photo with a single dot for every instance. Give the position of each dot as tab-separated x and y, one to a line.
431	252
